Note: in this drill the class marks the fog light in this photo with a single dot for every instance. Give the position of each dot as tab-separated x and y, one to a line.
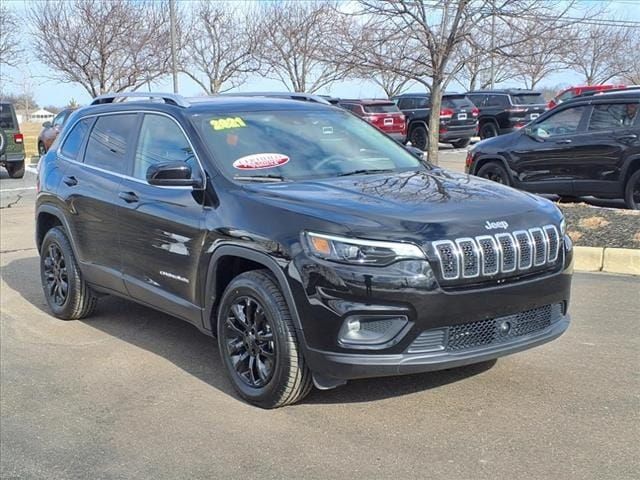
372	331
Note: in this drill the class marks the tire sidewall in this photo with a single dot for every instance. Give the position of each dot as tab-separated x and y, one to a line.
497	168
15	169
250	287
426	136
57	236
488	127
629	191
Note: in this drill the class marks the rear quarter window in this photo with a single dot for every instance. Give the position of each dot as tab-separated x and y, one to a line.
457	102
529	99
7	118
75	139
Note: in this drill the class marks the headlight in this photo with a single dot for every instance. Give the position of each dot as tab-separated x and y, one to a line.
360	252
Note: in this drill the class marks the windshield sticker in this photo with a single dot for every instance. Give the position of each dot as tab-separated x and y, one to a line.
226	123
259	161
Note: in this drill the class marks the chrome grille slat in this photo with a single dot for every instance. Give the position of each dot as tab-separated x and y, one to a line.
498	254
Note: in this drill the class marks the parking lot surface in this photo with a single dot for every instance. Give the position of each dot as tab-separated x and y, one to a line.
132	393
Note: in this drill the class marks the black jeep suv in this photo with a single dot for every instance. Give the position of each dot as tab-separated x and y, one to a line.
458	118
503	111
589	145
314	247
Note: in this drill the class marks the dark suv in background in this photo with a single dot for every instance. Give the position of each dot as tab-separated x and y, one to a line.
316	248
503	111
11	142
458	118
586	146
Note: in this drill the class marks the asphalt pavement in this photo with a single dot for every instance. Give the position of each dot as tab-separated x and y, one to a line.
131	393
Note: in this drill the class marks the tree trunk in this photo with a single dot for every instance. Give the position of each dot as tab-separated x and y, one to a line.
434	120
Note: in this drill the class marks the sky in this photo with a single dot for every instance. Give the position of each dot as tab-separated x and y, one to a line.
33	75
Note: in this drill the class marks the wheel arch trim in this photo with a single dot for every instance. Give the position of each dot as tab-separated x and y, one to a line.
257	257
56	212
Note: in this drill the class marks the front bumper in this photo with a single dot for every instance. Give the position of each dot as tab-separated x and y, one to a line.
351	366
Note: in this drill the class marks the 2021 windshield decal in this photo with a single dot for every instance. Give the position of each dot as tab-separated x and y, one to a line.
227	123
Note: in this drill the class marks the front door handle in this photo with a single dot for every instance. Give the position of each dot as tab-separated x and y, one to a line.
563	142
70	180
129	197
628	138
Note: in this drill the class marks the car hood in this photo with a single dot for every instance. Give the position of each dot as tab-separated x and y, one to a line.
414	206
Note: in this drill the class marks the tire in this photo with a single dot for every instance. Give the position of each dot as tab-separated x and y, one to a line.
632	191
266	337
3	141
41	150
419	137
488	130
15	169
79	300
462	143
495	172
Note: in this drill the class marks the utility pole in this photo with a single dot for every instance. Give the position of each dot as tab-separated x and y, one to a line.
174	61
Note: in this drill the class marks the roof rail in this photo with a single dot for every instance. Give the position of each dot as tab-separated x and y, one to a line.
591	93
307	97
170	98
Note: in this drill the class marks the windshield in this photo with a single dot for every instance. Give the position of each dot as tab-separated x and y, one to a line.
6	117
299	145
529	99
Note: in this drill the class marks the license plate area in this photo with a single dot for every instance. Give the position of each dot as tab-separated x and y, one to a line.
462	116
388	121
533	116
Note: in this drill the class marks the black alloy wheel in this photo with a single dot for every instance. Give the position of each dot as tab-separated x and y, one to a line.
495	172
632	191
488	130
419	137
249	341
55	275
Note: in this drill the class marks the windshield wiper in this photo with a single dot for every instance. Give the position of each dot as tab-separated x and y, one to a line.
260	178
366	171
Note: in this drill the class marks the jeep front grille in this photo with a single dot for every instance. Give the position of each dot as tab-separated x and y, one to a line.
503	253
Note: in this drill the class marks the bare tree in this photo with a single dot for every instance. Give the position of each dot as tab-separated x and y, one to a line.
10	49
599	52
219	48
297	43
434	30
632	74
103	45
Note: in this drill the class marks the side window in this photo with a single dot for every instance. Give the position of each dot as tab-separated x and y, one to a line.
565	122
403	104
497	101
73	143
566	96
421	102
59	120
161	140
477	100
108	142
612	116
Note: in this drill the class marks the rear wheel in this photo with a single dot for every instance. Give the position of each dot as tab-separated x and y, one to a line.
632	191
419	137
67	294
495	172
488	130
258	342
15	169
462	143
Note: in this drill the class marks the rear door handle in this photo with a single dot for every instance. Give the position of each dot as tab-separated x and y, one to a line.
563	142
128	197
70	180
628	138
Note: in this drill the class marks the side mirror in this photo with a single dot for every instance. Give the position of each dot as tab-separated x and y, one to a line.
171	174
47	124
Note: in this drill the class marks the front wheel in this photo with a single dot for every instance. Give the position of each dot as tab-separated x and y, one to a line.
258	343
632	191
495	172
15	169
419	137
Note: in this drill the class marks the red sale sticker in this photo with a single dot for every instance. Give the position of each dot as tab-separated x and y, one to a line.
259	161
